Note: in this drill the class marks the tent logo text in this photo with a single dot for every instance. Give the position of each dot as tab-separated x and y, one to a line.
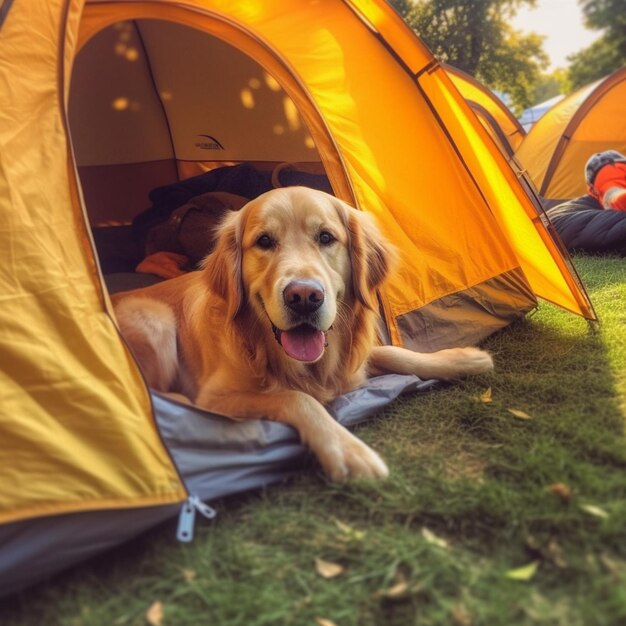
209	143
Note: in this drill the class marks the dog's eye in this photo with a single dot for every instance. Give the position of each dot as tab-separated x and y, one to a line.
265	242
325	238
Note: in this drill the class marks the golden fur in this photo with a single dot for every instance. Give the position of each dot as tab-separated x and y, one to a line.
221	336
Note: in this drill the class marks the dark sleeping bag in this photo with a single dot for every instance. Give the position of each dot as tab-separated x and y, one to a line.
242	180
584	225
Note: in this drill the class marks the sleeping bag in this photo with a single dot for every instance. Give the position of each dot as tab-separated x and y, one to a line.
584	225
243	180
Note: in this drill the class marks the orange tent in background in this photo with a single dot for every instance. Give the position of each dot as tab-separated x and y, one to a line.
556	148
103	101
493	114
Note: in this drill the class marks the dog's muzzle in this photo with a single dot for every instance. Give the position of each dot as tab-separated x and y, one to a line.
304	341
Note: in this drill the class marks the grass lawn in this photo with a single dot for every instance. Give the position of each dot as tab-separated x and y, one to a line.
503	512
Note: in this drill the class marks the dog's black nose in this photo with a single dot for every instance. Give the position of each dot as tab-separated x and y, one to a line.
304	296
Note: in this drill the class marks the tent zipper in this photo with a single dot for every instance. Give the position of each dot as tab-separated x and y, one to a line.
187	517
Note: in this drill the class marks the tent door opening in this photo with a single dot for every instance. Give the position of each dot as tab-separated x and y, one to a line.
155	103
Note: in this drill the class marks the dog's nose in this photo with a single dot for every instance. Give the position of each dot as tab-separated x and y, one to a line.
304	296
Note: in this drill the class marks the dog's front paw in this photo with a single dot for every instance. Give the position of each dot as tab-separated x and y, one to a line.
347	457
466	362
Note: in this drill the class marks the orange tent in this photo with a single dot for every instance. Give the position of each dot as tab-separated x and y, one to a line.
103	101
590	120
493	114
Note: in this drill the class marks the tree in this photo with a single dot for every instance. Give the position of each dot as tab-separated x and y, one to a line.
551	85
607	53
594	62
475	36
610	16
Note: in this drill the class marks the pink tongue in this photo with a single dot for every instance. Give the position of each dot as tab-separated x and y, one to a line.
303	343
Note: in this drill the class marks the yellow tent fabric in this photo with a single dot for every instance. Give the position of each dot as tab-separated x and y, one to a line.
590	120
493	114
391	132
76	429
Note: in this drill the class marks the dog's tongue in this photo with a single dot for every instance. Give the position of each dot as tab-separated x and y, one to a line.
303	343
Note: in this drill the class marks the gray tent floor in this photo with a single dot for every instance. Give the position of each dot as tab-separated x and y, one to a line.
217	456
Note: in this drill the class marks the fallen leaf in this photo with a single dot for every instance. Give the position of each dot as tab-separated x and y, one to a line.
324	622
430	536
610	564
395	591
351	533
520	415
561	490
461	617
596	511
189	575
154	615
525	572
533	544
327	569
486	396
342	526
555	553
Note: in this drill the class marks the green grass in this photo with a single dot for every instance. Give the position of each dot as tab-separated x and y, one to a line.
471	497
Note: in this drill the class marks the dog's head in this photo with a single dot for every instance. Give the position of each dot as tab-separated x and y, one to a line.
295	256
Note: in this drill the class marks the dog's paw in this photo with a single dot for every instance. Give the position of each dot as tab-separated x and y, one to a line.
461	362
348	457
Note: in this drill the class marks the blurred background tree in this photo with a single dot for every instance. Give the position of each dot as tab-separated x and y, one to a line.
607	53
551	85
476	37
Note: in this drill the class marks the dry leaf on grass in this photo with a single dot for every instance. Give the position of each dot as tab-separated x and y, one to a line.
520	415
189	575
154	615
430	536
484	397
348	531
327	569
461	616
554	553
398	590
561	490
596	511
524	573
611	565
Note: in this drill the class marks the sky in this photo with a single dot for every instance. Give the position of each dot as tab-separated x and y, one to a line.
562	23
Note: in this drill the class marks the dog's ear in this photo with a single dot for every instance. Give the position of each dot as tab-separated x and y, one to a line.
222	267
371	255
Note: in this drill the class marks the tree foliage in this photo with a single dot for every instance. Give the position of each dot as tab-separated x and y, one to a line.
607	53
551	85
476	37
607	15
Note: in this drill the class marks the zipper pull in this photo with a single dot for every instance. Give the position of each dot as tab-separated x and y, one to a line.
187	517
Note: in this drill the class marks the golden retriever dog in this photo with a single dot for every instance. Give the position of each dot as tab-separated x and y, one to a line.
281	319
